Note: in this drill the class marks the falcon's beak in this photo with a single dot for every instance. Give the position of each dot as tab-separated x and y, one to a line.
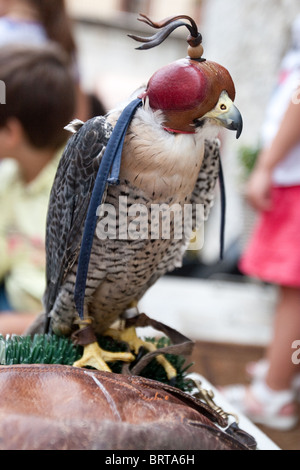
226	114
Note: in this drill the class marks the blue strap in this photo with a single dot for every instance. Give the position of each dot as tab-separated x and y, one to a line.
108	172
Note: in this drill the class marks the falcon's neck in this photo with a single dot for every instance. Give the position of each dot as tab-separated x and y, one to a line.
161	163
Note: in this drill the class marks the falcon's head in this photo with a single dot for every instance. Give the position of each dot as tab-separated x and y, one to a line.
190	91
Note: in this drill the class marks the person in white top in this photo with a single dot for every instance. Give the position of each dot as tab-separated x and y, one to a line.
273	253
287	169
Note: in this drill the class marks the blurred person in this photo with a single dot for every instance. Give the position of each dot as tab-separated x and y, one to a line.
38	22
40	99
273	253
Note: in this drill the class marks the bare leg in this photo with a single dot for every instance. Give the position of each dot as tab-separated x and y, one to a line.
286	331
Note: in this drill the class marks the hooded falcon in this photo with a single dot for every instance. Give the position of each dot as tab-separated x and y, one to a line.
170	157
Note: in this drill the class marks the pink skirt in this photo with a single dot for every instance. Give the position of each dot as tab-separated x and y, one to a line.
273	254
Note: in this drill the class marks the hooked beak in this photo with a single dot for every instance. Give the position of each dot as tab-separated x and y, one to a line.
232	120
226	114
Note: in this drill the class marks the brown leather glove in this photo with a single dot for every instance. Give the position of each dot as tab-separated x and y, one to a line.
54	407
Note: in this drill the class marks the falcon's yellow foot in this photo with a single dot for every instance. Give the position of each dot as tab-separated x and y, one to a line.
129	336
94	356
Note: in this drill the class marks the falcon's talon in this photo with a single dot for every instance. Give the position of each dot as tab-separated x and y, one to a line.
129	336
173	382
96	357
169	369
140	353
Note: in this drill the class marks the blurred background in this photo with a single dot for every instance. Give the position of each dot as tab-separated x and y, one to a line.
228	315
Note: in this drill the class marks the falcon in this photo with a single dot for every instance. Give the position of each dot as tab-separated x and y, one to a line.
170	158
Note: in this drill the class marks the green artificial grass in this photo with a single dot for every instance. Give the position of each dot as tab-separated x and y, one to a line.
42	349
52	349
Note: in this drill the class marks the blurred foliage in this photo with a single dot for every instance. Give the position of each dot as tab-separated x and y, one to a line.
247	157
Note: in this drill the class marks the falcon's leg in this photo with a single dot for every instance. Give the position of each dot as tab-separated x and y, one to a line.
93	355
